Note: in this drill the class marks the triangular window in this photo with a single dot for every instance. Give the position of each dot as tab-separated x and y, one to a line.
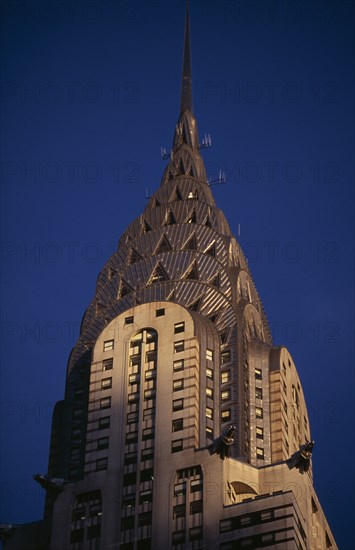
125	288
195	306
146	227
192	272
190	244
192	173
134	256
224	336
211	250
163	246
170	297
159	274
169	218
176	195
181	167
191	217
170	175
157	203
207	222
213	317
214	281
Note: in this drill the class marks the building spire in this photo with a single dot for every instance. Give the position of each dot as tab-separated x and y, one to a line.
186	85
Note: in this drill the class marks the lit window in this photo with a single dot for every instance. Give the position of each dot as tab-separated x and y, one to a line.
226	395
178	404
101	464
258	393
209	412
105	403
225	357
102	443
258	374
179	327
106	383
179	346
209	373
225	377
160	312
259	433
226	415
178	384
108	345
209	355
259	412
176	446
209	392
104	422
178	425
259	452
107	364
178	365
150	374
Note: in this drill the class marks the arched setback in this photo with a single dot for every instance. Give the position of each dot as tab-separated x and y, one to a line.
288	413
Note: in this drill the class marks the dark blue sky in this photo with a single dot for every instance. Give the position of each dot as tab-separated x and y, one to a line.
90	92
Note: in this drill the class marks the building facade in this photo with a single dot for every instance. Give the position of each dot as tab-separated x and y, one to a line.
180	414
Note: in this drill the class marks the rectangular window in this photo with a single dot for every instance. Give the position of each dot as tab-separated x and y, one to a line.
226	395
178	365
196	485
77	414
132	417
78	394
147	433
77	536
149	394
144	518
94	532
104	422
127	523
176	446
266	515
178	384
150	374
178	425
134	378
258	374
225	357
209	373
179	327
128	501
209	392
131	437
259	433
180	489
129	479
133	398
107	364
105	403
225	377
209	433
259	413
146	475
130	458
74	454
108	345
178	537
209	412
245	520
196	507
147	454
106	383
225	525
258	393
179	511
129	320
101	464
179	346
178	404
148	414
196	533
209	355
145	496
102	443
160	312
76	434
259	452
226	415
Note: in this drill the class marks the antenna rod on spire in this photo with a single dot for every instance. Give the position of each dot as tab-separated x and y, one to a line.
186	86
